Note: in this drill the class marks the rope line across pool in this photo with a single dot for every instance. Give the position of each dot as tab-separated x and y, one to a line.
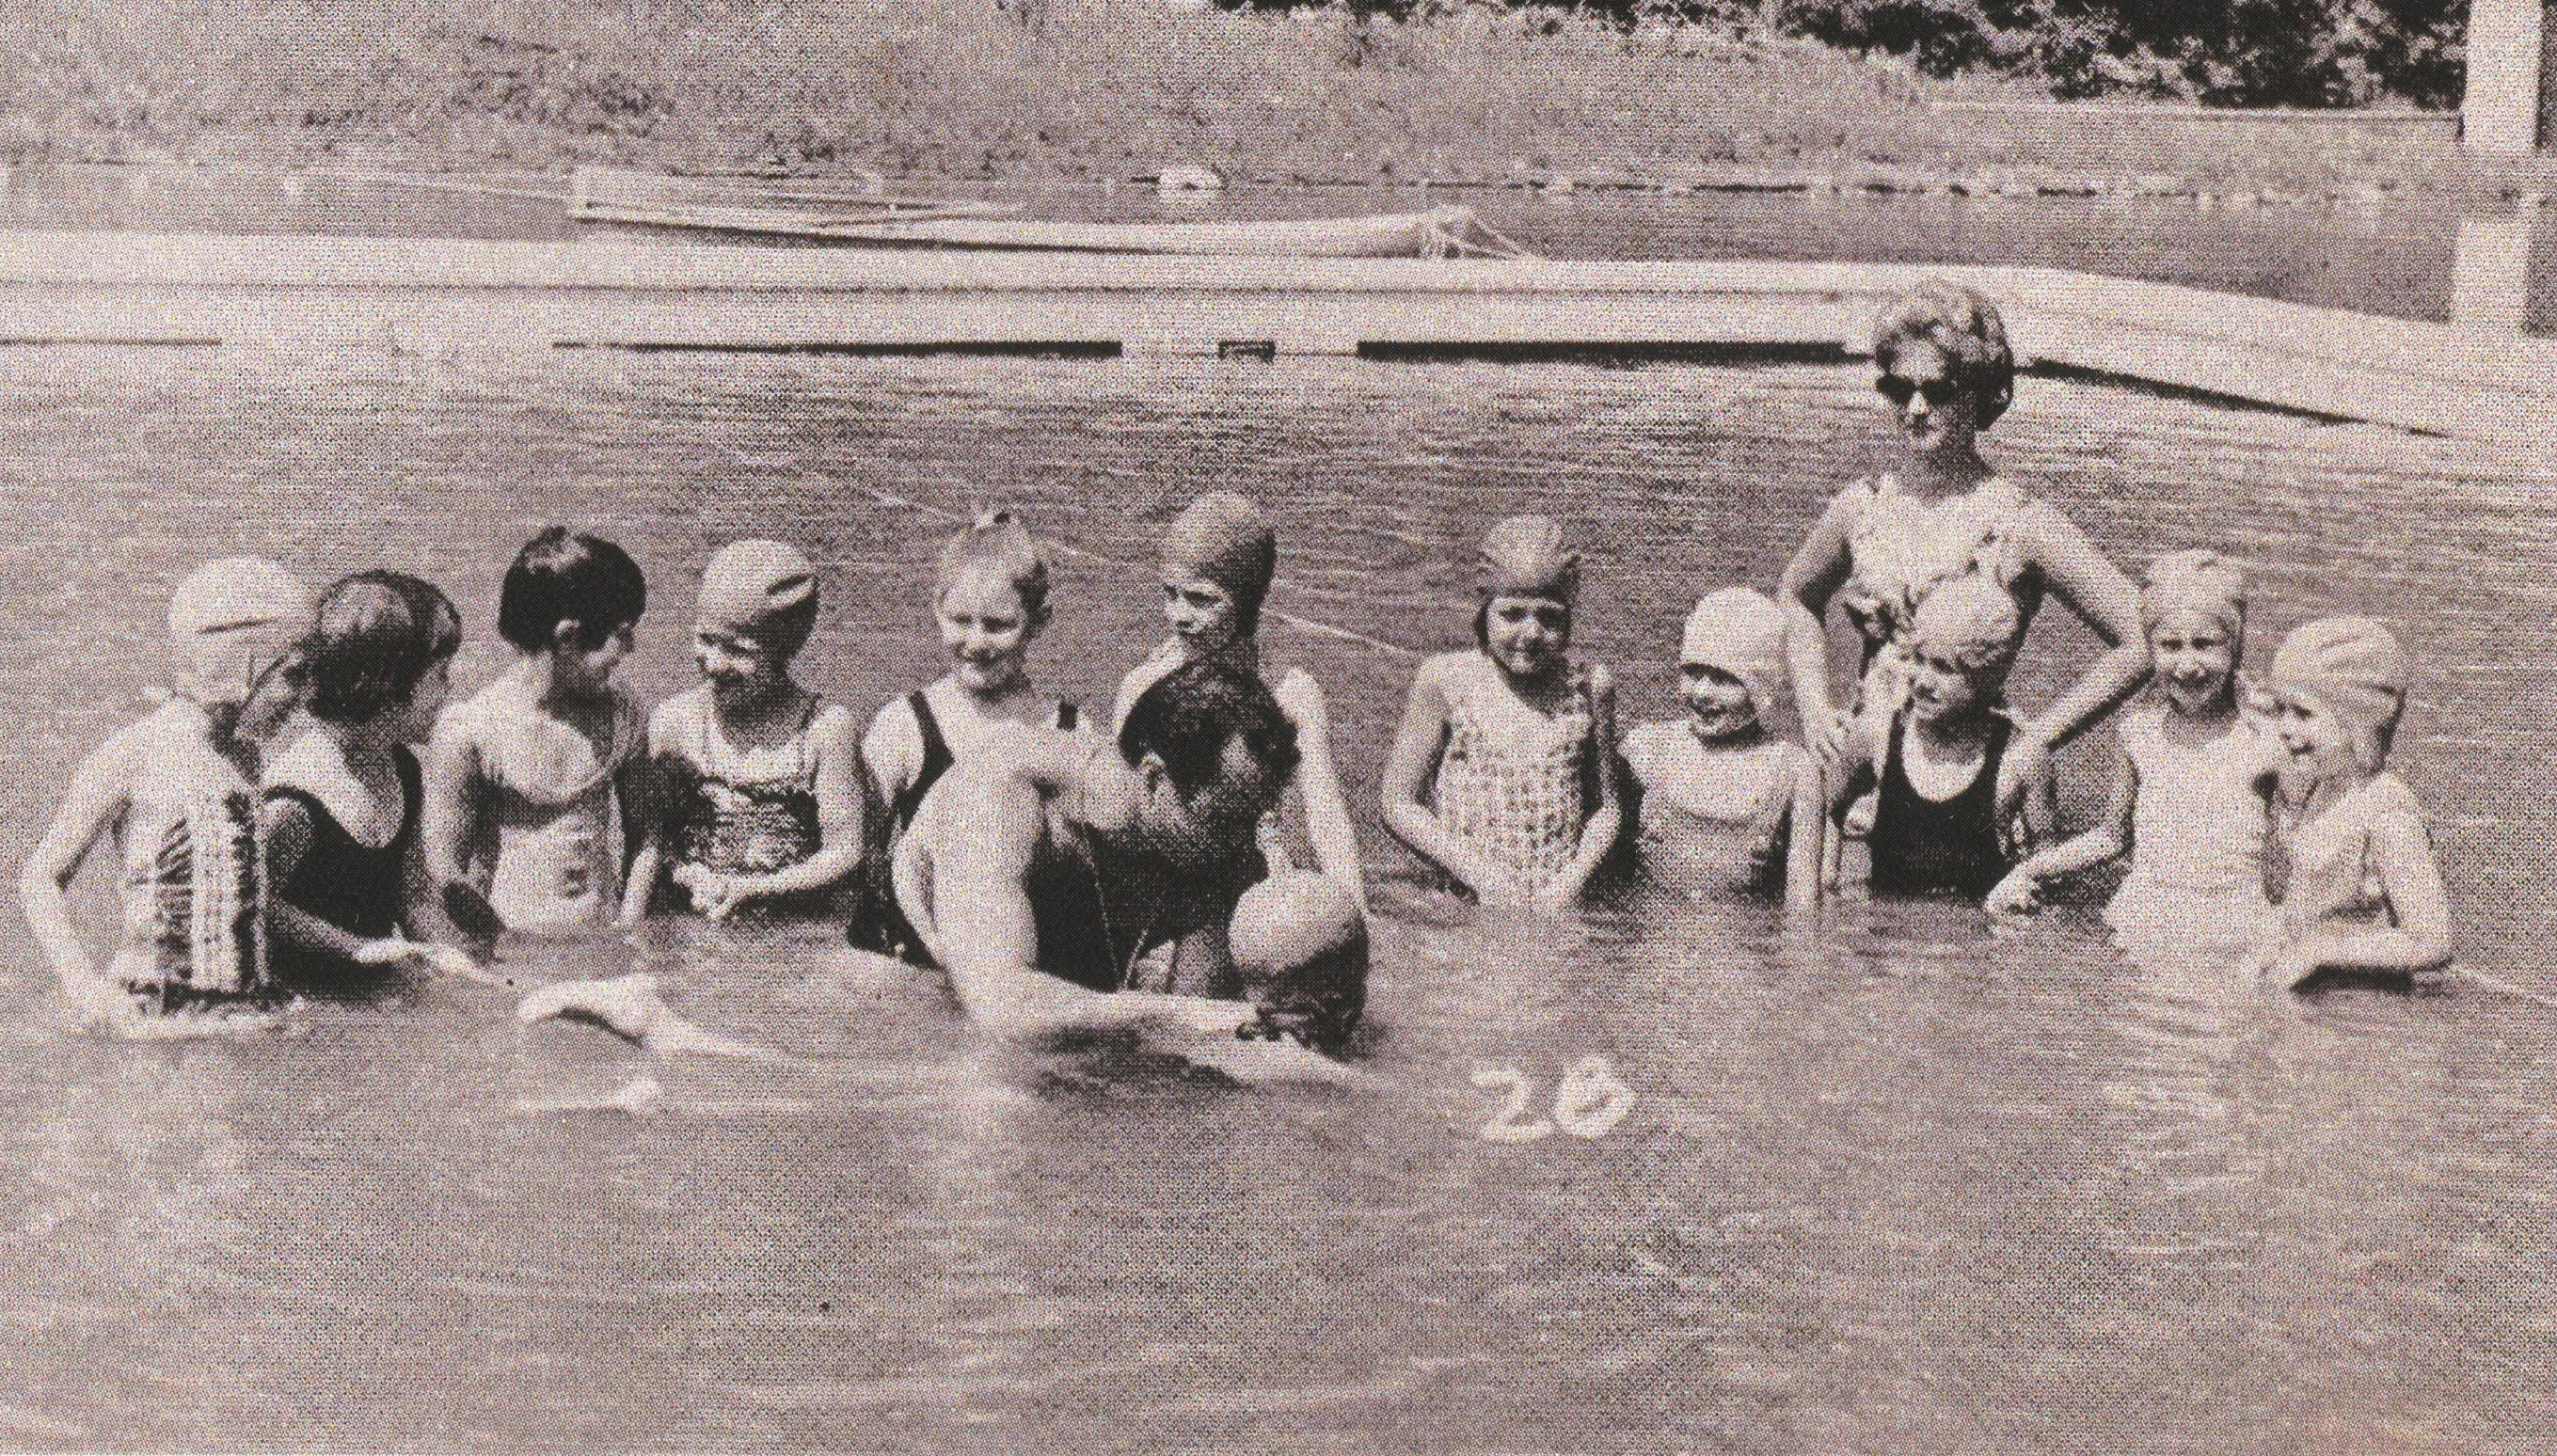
1301	623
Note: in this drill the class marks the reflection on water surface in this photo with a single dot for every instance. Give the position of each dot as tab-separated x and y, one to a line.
1899	1189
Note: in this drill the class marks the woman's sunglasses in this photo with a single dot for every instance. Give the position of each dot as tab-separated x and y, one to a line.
1900	391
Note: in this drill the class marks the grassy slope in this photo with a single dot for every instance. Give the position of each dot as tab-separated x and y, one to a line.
1096	88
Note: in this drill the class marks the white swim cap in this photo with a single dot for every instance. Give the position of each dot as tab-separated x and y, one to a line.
1742	632
235	594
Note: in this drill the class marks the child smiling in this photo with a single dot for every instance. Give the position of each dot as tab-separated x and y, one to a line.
1502	772
1723	803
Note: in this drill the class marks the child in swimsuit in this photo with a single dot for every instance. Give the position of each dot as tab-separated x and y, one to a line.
2192	785
991	605
530	782
1217	563
342	803
759	784
178	792
1503	772
1722	803
2364	895
1933	759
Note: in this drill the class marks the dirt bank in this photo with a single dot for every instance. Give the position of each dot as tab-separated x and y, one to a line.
1092	90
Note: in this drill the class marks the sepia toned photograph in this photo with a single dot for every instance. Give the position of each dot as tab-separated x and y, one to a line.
1778	726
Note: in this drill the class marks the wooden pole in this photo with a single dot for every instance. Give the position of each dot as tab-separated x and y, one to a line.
2502	113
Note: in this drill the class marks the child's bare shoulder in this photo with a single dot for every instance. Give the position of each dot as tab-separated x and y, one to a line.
303	764
2389	796
122	757
1445	670
674	721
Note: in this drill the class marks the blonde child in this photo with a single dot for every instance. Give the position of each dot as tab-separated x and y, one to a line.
1217	559
991	604
531	781
1932	760
759	783
1502	772
342	803
178	791
1722	802
2192	784
2365	894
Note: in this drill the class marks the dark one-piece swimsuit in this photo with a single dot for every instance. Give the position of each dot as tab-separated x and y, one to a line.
878	922
356	887
1927	846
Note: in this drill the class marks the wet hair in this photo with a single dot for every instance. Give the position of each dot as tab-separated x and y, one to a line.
1962	325
562	576
1188	716
376	636
998	542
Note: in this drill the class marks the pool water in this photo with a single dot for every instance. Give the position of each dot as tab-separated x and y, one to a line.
1896	1187
2393	257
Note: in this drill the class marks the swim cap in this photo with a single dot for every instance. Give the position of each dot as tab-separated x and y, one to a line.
236	594
1225	539
1741	632
2200	582
1525	556
1973	618
232	621
1299	944
2355	669
763	591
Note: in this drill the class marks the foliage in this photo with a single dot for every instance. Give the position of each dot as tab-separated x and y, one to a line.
2248	53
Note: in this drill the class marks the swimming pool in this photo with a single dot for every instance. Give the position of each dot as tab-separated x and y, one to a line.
1900	1189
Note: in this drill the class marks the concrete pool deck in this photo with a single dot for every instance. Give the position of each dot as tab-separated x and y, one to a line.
441	295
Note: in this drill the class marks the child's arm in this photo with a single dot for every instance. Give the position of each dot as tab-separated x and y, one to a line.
2411	877
446	823
1327	814
1606	821
893	750
648	861
2020	893
1807	823
1819	568
98	796
1409	768
841	822
641	784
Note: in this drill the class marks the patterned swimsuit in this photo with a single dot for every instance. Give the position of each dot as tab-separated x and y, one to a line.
1901	549
1521	800
741	811
192	877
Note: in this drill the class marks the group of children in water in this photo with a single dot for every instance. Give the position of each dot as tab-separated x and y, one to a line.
255	858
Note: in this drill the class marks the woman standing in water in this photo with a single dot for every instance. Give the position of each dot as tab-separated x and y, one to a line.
1886	542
